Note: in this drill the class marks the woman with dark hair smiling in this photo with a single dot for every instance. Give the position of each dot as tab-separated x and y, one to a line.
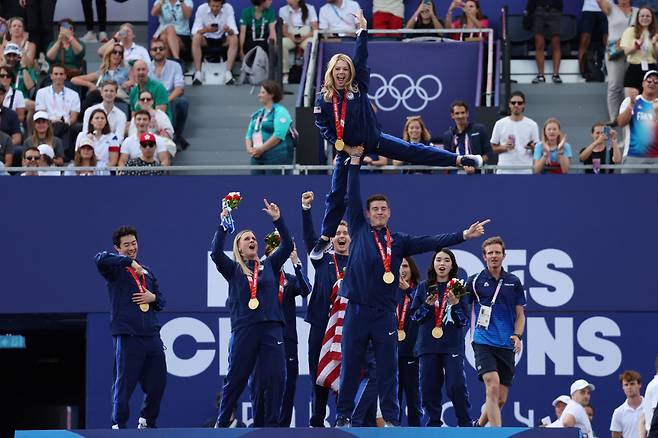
257	26
104	141
470	18
14	98
299	22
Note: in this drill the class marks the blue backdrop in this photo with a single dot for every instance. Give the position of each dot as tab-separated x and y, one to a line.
584	257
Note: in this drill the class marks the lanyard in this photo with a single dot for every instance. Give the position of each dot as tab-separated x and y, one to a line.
253	284
259	120
340	17
440	308
339	274
261	37
339	119
140	285
339	277
402	316
386	257
282	280
493	300
467	147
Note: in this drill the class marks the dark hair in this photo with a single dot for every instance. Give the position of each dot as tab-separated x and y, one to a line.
54	66
431	273
344	223
376	197
458	103
413	269
110	82
495	240
463	19
257	2
10	71
68	21
90	126
2	89
273	88
121	232
594	126
630	376
49	161
142	112
33	148
304	8
144	91
517	93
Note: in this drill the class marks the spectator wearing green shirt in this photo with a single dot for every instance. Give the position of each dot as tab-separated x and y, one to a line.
28	77
257	26
144	82
268	140
67	49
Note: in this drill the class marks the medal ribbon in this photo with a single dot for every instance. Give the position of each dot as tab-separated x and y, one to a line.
440	308
282	280
386	257
403	316
141	286
339	119
253	284
339	276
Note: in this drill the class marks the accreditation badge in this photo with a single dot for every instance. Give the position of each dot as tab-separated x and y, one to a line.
257	139
484	317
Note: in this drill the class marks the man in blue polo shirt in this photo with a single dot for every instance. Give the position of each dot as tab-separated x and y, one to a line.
465	137
496	326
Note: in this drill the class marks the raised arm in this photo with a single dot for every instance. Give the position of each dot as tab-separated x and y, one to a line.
360	57
108	263
355	214
310	236
420	244
279	257
224	264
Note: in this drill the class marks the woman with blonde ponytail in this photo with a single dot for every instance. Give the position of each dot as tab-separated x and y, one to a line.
256	316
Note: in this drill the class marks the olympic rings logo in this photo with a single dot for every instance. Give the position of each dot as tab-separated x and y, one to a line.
413	89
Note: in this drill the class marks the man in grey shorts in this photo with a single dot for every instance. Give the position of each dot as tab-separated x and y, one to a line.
547	24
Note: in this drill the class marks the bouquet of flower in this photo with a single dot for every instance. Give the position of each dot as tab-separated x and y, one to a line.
230	202
273	240
457	287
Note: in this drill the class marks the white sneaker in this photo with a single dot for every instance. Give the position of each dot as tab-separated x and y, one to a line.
103	37
89	37
197	80
115	426
228	78
141	423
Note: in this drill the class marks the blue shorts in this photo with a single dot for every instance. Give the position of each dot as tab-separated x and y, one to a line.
489	358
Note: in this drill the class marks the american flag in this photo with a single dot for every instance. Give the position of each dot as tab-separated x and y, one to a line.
330	354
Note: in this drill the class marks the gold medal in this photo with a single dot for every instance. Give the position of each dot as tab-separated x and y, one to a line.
253	303
401	335
437	332
388	277
144	307
339	145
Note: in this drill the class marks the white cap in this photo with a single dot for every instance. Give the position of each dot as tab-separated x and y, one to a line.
45	149
581	384
40	115
646	75
12	48
84	141
563	398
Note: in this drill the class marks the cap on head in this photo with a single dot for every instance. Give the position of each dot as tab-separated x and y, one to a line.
12	48
84	141
650	73
45	149
563	398
581	384
147	137
40	115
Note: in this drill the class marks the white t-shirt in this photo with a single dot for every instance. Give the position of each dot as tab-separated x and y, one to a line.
618	22
19	100
524	131
116	118
102	146
651	397
582	420
591	6
204	18
625	419
293	19
136	52
159	120
131	147
340	19
57	105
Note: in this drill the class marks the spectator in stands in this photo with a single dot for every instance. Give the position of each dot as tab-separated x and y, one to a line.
131	50
170	74
649	417
174	29
559	404
14	98
42	133
268	138
105	142
257	26
147	145
61	103
514	137
9	123
46	160
620	17
625	419
640	45
130	147
387	14
31	157
374	161
424	18
465	137
214	27
552	154
638	116
336	16
16	35
28	77
299	22
470	18
6	150
144	82
574	414
112	68
67	50
415	131
593	22
547	24
159	124
115	116
101	13
86	157
604	149
40	15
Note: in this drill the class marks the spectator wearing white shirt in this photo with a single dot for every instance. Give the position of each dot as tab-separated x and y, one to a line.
47	154
130	148
214	27
14	98
159	124
626	418
559	404
105	142
61	103
336	16
170	74
299	22
174	29
85	156
574	414
131	51
115	116
649	417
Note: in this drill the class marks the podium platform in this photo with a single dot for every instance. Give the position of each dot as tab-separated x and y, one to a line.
301	432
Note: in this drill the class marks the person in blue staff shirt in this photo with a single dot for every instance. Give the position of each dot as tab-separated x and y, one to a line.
346	119
407	334
440	346
138	350
256	316
497	327
370	286
328	270
465	137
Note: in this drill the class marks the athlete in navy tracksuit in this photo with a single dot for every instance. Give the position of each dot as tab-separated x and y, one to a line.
441	359
370	313
327	270
138	351
349	81
256	333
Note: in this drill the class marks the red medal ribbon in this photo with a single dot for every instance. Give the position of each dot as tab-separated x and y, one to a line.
386	257
141	286
405	306
439	309
253	284
282	280
339	276
339	119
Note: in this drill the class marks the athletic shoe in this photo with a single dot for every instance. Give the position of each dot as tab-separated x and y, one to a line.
141	423
197	78
103	37
321	246
557	79
115	426
89	37
476	423
472	161
389	424
343	422
228	78
539	79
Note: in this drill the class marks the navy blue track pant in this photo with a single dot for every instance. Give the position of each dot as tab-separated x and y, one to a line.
435	370
319	394
409	388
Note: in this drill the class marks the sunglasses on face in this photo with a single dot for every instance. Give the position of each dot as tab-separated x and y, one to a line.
516	102
648	81
4	76
145	99
32	158
157	49
117	52
148	145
